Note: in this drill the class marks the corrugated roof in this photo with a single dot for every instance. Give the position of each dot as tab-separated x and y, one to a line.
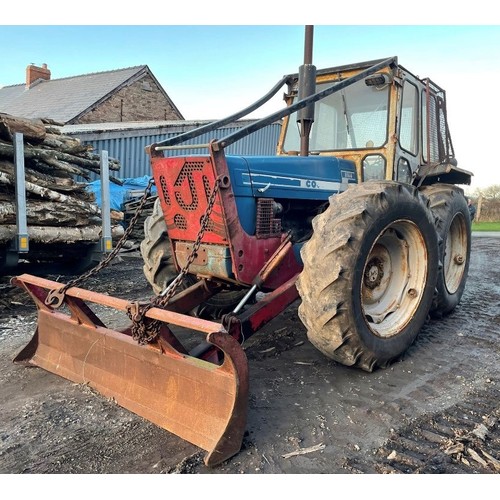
136	126
112	126
65	98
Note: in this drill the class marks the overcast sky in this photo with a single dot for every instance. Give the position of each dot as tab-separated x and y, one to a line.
211	71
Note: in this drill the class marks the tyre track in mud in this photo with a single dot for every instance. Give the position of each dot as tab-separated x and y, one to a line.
462	439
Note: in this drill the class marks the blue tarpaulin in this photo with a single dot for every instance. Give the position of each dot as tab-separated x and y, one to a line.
120	194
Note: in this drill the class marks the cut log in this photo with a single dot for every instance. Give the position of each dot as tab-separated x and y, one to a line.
47	213
53	130
50	171
32	130
7	151
65	144
65	185
63	166
53	195
50	121
60	234
116	215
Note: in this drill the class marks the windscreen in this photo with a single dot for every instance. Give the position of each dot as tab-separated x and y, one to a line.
353	118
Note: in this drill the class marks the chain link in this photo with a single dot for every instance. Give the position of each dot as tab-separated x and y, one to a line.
144	331
56	297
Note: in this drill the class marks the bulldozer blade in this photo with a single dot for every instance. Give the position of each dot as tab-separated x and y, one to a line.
201	402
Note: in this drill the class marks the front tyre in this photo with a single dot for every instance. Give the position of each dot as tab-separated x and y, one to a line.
369	274
156	251
453	226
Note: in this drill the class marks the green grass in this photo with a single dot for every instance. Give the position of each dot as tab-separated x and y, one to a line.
486	226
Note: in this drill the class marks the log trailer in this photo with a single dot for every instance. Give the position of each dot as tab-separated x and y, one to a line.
358	216
51	243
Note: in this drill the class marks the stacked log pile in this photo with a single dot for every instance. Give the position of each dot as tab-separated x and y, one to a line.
52	161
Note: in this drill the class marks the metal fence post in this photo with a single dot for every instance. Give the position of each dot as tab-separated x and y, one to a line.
22	238
106	240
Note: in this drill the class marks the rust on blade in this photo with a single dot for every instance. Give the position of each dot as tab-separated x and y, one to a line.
201	402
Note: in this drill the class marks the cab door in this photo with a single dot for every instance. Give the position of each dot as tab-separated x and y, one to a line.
408	144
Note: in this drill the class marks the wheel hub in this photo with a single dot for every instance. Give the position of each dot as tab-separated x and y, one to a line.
374	273
455	252
394	278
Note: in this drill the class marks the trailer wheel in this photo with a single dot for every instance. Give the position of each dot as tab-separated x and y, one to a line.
78	258
453	227
159	268
369	274
69	259
8	260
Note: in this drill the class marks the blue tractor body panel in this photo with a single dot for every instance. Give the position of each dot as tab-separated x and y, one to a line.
285	178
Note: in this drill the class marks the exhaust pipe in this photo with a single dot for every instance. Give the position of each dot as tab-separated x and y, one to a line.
307	87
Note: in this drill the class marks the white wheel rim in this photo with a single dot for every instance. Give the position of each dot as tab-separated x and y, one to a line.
455	254
394	278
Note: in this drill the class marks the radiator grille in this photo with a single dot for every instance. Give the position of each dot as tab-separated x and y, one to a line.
267	225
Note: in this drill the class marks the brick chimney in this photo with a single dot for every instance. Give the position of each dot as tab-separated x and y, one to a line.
33	73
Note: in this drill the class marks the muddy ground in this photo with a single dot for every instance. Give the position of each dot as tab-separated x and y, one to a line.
434	411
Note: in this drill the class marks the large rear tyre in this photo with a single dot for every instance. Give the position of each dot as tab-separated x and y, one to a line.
159	268
369	274
453	227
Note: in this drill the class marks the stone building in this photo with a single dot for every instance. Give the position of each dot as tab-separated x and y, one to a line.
121	95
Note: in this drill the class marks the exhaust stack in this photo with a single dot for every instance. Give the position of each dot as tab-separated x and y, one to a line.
307	87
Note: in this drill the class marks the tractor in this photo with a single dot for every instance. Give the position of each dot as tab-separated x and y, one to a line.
358	217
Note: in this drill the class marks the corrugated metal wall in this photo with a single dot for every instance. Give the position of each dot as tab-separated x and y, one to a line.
128	145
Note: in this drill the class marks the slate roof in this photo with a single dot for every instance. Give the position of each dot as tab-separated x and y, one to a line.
64	99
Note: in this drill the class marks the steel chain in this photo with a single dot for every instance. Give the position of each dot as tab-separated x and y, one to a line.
145	332
56	297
